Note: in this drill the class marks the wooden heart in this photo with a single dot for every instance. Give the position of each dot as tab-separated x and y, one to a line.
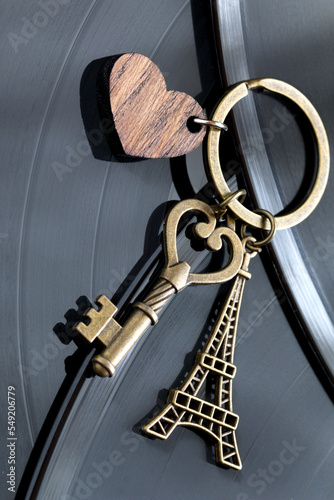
150	121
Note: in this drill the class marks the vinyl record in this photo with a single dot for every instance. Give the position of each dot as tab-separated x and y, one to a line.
76	222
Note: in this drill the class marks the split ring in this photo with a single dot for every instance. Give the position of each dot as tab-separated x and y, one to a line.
211	123
320	182
256	244
238	194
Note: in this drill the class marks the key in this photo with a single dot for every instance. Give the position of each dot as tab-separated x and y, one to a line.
118	340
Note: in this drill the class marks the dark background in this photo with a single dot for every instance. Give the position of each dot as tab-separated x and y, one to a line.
74	225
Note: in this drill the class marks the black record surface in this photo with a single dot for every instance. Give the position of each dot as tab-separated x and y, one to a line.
73	225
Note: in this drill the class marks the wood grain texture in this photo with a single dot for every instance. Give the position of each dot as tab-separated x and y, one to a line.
150	121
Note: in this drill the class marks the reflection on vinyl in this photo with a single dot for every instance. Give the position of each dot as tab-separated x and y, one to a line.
76	225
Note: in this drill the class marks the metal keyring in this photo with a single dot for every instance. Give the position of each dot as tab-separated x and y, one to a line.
318	188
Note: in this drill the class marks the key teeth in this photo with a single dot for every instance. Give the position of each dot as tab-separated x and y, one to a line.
102	302
104	312
91	314
81	328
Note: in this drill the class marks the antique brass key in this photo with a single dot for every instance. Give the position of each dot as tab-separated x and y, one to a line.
117	340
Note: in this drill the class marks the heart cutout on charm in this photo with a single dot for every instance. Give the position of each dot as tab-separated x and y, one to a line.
204	230
150	121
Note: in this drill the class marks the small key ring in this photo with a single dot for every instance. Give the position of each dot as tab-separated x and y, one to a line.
237	194
256	245
210	123
221	208
245	245
240	211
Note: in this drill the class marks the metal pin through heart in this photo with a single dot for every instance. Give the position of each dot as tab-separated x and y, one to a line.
210	123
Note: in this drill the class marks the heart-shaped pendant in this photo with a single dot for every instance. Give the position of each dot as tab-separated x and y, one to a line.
150	121
204	230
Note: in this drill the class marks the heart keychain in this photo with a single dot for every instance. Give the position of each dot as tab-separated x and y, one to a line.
151	122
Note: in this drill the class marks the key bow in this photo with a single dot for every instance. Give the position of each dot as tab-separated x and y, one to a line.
213	240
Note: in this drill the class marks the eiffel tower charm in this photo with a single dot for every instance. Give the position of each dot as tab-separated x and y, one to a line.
185	408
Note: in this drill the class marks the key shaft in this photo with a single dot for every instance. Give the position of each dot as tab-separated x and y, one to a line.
144	315
119	340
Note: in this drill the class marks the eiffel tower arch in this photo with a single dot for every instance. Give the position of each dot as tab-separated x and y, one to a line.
185	408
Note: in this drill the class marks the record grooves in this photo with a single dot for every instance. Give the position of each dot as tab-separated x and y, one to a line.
85	224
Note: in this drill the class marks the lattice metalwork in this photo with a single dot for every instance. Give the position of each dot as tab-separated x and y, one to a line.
184	408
